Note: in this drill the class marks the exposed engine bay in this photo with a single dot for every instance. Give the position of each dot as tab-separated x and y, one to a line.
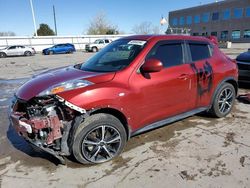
45	122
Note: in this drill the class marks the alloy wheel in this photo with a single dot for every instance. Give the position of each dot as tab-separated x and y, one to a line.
101	144
226	100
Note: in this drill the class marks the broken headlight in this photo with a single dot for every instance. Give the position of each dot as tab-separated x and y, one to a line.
65	86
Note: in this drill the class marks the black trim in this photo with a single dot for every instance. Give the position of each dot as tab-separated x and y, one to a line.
168	121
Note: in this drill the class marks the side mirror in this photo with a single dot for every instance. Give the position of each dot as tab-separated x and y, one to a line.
152	65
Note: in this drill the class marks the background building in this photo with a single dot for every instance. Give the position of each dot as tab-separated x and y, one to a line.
229	20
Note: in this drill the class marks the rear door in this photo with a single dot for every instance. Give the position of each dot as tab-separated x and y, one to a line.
201	63
168	92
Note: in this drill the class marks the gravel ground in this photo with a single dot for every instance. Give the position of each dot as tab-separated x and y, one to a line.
195	152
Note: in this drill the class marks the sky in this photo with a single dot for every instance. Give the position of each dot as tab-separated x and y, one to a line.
74	16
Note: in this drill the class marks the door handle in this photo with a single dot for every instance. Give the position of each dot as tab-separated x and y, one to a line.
183	77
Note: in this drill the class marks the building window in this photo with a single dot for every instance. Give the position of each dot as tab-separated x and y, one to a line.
214	33
205	17
189	20
182	21
197	19
226	14
224	35
215	16
236	34
248	12
238	13
246	34
175	21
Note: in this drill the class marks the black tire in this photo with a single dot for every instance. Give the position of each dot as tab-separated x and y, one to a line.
27	53
223	101
2	55
100	138
94	49
50	53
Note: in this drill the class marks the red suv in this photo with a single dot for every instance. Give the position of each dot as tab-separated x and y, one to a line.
135	84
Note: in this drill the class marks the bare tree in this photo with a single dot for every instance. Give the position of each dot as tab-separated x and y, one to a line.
8	33
146	28
100	25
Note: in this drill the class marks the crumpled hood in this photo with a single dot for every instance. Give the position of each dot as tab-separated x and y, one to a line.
47	79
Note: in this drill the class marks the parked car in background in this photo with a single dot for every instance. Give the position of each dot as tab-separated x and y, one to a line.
97	45
243	62
135	84
59	49
17	50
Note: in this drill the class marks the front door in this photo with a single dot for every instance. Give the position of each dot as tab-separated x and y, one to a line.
168	92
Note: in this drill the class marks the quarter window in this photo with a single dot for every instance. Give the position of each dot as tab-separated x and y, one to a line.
169	54
199	51
238	12
236	34
247	34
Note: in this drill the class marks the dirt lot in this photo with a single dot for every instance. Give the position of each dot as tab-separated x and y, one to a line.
195	152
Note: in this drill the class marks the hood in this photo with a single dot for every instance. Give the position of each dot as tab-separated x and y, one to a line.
244	57
47	79
46	49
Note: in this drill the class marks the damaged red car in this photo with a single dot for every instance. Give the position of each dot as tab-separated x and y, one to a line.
135	84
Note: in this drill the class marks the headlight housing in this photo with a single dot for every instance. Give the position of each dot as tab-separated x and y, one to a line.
65	86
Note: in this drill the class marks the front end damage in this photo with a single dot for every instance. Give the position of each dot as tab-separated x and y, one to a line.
46	122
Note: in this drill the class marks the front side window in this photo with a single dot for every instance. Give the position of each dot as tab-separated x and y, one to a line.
169	54
236	34
12	47
215	16
224	35
238	13
226	14
246	33
199	51
205	17
197	19
182	21
116	56
189	20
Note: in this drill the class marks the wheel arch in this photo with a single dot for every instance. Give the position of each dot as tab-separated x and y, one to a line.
116	113
230	80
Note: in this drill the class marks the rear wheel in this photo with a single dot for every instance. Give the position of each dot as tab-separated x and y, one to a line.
2	55
27	53
223	101
100	138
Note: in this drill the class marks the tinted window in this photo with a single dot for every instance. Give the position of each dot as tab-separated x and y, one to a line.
12	47
169	54
224	35
226	14
247	33
205	17
199	51
106	41
197	19
238	12
248	12
236	34
189	20
215	16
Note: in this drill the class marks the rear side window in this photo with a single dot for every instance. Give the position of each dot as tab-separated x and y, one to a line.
199	51
106	41
169	54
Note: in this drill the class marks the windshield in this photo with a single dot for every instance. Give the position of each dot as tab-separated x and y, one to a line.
97	41
116	56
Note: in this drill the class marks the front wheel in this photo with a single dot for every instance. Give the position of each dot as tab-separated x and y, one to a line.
100	138
51	53
94	49
2	55
223	100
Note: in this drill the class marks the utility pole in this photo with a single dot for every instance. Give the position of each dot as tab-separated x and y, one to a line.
33	15
54	13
